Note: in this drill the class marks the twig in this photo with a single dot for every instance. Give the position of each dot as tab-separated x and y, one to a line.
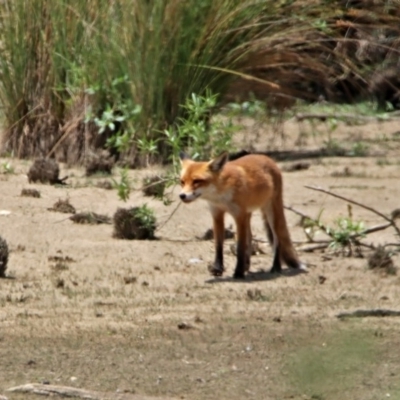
369	313
318	223
315	246
373	210
67	391
170	216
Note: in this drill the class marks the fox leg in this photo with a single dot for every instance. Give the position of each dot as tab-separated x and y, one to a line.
249	248
242	256
269	223
219	234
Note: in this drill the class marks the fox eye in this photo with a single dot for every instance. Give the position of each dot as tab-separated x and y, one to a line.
198	181
182	182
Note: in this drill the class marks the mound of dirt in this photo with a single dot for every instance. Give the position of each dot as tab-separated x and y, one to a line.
45	170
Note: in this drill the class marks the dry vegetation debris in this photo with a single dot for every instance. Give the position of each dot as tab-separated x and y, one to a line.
90	218
30	193
63	206
4	253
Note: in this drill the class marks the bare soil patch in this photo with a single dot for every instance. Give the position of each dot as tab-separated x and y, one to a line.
82	308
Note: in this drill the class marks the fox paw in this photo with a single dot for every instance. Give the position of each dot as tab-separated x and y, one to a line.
239	275
215	270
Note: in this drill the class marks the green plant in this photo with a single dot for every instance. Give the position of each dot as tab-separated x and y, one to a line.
7	168
360	149
250	108
200	134
146	218
124	185
345	231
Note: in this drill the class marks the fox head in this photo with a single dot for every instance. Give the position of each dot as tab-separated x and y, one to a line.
197	178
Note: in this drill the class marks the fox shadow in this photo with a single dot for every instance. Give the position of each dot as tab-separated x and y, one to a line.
257	276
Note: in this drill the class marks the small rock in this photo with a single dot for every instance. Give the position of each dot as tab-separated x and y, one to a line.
184	326
130	279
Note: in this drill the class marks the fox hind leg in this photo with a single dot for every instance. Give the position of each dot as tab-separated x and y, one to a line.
249	247
269	221
242	254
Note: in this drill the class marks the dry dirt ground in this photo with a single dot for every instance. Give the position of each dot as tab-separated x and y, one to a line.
83	309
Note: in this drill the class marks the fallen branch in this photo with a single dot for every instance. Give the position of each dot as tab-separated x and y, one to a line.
323	117
369	313
373	210
320	245
67	391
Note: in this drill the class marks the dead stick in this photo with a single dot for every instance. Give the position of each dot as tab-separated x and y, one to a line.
369	313
318	189
373	210
312	247
367	231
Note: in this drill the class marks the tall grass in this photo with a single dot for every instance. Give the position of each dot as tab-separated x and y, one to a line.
70	69
65	59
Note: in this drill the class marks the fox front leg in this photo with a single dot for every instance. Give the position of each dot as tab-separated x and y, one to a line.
217	269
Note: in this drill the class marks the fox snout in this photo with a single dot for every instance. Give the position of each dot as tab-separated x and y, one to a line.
188	197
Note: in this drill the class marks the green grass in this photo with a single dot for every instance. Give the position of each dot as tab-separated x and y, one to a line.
335	365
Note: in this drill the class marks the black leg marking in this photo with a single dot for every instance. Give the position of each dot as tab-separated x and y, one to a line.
240	263
218	268
276	266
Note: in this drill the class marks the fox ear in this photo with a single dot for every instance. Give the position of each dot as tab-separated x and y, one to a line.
183	156
217	164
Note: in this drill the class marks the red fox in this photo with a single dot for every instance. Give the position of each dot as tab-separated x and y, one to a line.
240	187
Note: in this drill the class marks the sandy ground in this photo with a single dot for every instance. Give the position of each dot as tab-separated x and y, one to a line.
84	309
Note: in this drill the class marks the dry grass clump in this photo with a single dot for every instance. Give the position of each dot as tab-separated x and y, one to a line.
90	218
381	259
99	164
154	185
3	257
45	170
107	185
30	193
134	223
63	206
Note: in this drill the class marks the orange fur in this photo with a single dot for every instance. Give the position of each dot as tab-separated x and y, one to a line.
240	187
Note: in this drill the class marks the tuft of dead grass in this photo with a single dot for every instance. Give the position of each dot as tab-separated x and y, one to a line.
63	206
90	218
30	193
